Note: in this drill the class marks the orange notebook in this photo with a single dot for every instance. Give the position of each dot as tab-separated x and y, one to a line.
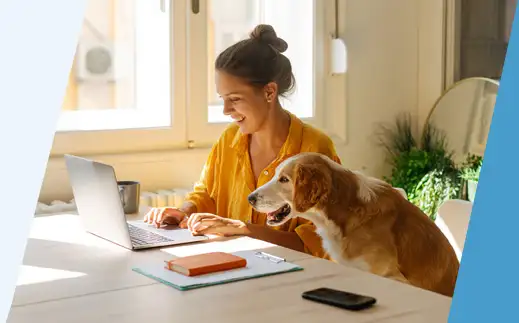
206	263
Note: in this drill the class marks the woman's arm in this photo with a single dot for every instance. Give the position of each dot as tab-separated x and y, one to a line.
285	239
200	200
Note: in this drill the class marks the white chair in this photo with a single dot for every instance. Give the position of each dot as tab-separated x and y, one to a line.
453	220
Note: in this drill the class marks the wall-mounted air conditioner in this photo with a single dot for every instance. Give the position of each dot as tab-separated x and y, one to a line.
95	62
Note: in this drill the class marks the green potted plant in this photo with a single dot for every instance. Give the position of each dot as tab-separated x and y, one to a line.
424	169
469	173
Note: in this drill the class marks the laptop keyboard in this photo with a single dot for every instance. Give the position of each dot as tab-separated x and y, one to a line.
142	237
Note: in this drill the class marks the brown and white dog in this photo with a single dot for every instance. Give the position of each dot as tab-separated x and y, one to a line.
363	222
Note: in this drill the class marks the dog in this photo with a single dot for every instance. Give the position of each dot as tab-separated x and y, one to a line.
363	222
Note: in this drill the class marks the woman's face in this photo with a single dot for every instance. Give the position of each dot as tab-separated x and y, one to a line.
246	105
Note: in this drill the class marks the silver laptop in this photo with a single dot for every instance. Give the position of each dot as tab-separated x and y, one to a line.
101	211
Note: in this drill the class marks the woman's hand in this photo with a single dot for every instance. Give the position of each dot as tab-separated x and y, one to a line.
166	215
206	223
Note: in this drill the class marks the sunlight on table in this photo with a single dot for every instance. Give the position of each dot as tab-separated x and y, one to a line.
33	275
232	245
67	228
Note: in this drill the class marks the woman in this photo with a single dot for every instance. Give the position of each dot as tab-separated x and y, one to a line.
251	75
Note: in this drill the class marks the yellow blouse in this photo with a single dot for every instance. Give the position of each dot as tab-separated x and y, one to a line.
227	178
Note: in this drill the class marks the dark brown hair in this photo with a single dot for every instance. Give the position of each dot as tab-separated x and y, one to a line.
259	60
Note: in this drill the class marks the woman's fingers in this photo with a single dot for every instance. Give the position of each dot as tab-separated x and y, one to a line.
157	213
196	223
196	217
167	215
221	230
146	218
150	216
205	223
193	218
183	223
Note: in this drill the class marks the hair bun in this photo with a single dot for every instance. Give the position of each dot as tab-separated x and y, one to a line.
267	34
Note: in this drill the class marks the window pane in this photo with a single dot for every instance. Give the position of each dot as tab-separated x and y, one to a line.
120	73
230	21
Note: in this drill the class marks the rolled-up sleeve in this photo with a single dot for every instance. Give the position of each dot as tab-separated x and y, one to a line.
201	194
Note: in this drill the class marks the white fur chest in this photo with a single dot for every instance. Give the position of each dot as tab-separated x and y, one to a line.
332	240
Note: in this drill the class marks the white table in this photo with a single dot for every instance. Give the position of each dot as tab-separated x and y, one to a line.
71	276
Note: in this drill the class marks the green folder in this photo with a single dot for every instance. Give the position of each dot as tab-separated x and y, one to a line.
259	264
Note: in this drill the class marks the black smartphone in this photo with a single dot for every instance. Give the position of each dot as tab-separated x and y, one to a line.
337	298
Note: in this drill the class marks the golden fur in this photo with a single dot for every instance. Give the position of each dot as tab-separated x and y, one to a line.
363	222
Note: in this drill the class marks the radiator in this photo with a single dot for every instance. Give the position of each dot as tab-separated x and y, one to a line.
160	198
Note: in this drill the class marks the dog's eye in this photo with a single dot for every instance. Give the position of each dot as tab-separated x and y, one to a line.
283	179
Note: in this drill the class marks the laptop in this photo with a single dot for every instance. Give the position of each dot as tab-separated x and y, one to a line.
100	209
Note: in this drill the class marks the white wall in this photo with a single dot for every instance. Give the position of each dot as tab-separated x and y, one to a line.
395	65
395	52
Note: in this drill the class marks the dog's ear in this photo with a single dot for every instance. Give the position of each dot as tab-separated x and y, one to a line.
311	187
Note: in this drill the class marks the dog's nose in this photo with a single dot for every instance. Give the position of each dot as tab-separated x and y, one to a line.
252	199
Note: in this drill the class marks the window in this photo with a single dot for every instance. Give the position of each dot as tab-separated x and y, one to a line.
143	76
477	38
229	21
120	77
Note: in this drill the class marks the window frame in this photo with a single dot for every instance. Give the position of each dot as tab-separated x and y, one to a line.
190	128
152	134
200	131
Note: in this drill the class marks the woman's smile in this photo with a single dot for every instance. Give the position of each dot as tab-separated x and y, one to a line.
238	119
